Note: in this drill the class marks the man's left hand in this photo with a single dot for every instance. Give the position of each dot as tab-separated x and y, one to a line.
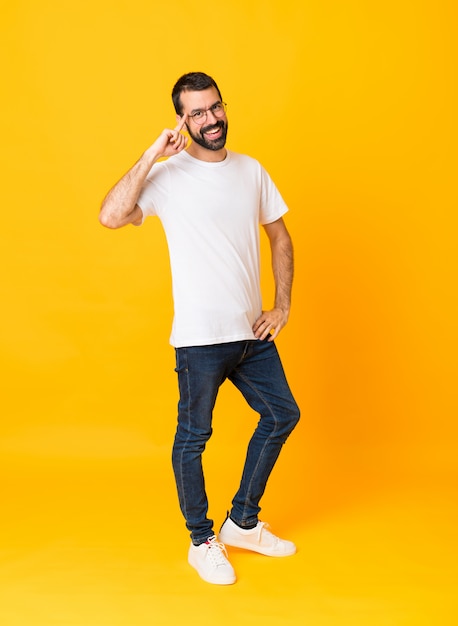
270	322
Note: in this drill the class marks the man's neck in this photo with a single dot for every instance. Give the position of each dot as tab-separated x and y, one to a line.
203	154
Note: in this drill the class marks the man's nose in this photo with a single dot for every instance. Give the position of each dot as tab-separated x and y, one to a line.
211	117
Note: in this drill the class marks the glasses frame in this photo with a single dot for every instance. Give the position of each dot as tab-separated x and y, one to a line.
205	112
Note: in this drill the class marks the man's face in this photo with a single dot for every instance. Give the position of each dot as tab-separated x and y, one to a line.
213	132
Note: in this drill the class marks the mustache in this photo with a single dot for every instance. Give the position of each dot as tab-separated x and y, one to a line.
207	129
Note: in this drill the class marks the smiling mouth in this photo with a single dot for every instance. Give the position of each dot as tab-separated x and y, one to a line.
214	131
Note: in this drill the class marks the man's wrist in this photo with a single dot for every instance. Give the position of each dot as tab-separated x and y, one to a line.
150	156
283	309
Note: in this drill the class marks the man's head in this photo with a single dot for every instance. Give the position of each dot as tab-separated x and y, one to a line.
194	81
197	95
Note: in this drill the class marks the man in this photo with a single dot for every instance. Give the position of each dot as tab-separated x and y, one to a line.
210	202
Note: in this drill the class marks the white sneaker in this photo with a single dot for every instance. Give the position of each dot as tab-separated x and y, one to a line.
258	539
210	561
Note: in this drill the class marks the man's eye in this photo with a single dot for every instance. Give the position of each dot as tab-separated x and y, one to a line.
198	114
216	107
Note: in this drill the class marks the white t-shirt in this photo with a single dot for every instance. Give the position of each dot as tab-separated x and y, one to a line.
211	213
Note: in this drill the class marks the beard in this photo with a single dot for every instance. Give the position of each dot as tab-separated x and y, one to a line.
210	144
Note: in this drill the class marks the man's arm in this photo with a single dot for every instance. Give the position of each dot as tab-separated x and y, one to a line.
283	267
120	207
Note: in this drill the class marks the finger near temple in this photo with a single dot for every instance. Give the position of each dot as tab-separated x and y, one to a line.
181	123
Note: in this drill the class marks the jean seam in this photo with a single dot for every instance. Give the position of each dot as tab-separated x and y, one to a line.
188	417
259	394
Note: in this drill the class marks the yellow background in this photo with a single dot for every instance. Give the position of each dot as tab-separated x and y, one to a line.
351	106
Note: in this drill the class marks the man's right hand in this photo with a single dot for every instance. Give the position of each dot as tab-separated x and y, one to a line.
170	142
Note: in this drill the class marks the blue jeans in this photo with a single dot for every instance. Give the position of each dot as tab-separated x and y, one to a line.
254	367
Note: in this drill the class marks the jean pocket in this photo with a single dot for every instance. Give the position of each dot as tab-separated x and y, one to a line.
181	359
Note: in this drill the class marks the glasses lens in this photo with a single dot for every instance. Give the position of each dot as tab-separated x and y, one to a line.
200	117
218	109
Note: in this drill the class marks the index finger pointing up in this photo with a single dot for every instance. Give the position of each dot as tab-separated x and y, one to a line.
181	123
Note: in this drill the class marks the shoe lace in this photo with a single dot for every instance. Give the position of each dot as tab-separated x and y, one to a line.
265	530
216	551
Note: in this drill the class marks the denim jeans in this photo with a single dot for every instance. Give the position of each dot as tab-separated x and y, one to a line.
254	367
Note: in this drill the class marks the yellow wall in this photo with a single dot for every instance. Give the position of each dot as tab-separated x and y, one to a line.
351	106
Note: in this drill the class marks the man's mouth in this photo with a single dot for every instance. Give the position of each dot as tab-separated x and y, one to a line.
214	132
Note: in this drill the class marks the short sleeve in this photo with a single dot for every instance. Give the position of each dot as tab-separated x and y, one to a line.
273	207
155	191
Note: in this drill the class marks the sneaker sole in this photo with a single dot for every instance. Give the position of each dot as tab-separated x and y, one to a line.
252	548
230	580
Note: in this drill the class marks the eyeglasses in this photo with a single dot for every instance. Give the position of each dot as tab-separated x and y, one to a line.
200	117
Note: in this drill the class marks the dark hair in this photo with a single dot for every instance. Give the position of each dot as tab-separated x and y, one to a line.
193	81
